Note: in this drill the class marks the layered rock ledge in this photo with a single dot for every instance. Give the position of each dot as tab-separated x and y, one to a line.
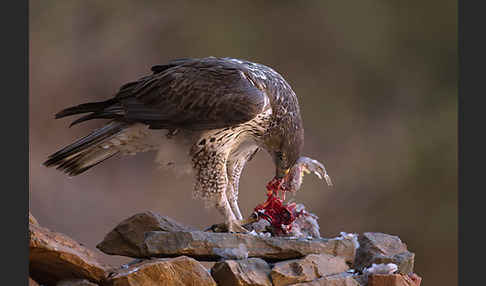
157	239
208	246
169	253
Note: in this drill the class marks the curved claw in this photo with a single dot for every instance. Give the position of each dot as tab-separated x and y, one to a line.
310	165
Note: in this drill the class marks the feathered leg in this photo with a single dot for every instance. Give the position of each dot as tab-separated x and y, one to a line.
235	167
211	184
234	172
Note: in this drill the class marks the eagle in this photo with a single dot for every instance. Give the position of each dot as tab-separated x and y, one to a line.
219	112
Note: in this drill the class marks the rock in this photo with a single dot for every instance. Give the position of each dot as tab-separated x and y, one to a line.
150	235
163	271
127	237
341	279
311	267
415	278
201	245
383	248
75	282
404	261
54	256
32	220
389	268
382	243
247	272
232	253
32	282
394	280
362	279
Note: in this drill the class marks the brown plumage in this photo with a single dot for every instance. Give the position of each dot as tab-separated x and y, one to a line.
221	110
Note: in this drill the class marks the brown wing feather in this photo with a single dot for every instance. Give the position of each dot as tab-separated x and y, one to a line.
192	94
195	95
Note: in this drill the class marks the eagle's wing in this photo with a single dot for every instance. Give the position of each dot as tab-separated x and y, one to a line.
193	95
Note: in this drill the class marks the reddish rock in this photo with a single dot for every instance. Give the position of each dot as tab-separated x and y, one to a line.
307	269
76	282
383	248
163	271
342	279
127	237
415	278
54	256
245	272
394	280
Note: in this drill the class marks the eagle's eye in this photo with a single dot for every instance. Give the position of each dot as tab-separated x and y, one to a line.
281	156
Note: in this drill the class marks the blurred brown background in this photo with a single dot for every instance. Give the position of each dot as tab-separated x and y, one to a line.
377	84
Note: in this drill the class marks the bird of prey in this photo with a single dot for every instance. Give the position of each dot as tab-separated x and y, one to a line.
221	110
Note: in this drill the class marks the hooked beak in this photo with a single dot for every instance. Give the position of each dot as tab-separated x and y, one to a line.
282	173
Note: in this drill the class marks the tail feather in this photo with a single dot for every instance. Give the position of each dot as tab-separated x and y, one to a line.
108	109
85	108
94	115
86	152
87	161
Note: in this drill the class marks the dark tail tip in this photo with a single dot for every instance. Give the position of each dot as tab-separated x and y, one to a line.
84	153
85	108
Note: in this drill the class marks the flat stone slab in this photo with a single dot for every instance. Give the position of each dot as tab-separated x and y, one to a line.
148	234
210	246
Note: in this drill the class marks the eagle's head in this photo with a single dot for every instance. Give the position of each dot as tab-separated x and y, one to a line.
289	179
288	147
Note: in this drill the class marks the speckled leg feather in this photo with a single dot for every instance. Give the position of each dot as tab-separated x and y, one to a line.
235	167
211	184
234	172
